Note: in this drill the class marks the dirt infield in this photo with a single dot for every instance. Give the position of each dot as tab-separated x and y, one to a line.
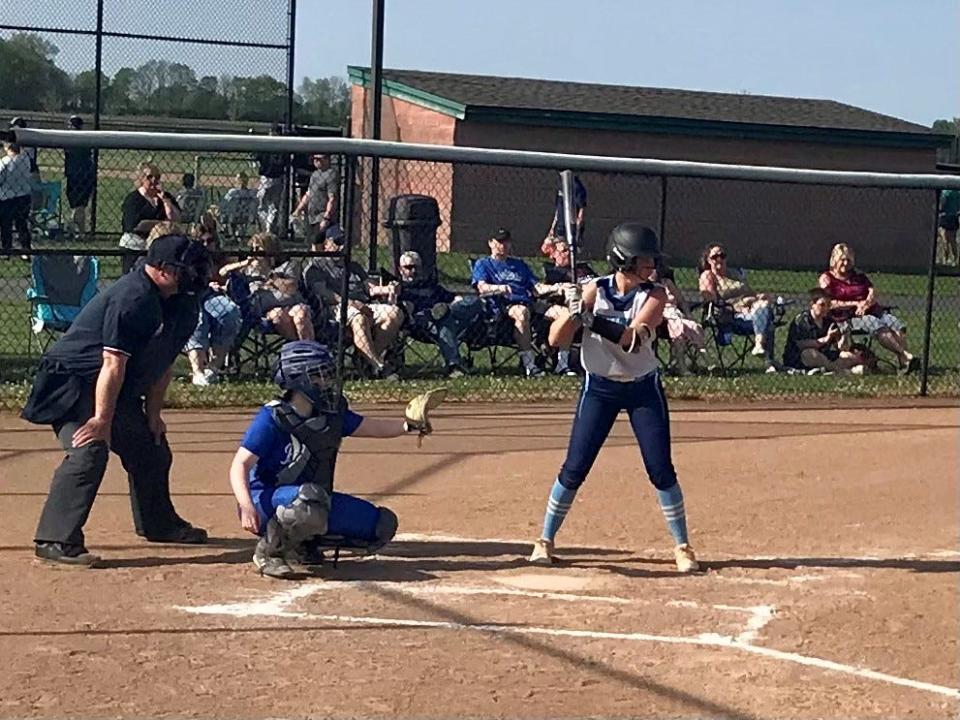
831	588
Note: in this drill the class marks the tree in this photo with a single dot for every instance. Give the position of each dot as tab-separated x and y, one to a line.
31	79
947	127
326	101
83	98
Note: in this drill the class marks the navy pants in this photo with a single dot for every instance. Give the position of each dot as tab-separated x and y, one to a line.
601	400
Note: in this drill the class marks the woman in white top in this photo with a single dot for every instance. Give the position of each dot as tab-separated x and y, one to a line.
15	186
619	314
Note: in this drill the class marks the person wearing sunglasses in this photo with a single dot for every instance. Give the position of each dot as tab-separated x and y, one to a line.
147	202
751	312
441	315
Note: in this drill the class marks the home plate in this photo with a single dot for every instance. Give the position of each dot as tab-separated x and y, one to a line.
547	582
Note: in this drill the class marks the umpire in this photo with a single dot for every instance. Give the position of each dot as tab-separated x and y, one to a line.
101	387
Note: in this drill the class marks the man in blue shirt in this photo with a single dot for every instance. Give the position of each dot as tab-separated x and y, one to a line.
282	474
511	281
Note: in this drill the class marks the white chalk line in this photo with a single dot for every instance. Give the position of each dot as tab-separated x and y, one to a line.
707	639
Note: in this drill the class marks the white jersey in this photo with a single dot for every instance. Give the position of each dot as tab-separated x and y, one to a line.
606	359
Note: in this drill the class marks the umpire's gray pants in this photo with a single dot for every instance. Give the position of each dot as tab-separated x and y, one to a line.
77	480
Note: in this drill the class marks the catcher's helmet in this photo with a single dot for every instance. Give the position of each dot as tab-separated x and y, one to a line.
631	240
299	364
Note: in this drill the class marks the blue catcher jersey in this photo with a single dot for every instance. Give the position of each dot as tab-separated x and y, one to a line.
273	446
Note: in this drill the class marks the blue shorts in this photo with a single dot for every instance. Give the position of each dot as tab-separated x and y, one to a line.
350	517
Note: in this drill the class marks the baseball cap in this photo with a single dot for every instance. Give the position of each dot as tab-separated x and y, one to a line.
502	235
335	233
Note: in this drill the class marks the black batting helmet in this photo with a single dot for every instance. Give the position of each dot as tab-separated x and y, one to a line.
631	240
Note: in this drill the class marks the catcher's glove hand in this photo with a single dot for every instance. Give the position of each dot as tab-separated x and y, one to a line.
417	414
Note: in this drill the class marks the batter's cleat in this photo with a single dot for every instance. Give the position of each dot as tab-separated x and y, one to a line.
66	554
543	553
686	560
274	567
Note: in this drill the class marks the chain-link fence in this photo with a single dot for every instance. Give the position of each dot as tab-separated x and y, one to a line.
426	308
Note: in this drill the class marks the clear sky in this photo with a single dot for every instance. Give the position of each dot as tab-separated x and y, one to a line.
898	57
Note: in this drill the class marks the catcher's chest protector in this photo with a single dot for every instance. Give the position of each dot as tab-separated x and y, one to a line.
314	445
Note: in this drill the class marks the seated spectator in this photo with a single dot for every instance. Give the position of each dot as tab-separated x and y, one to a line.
684	334
238	208
854	304
372	312
148	201
219	320
442	315
276	294
190	199
512	281
559	272
814	341
752	312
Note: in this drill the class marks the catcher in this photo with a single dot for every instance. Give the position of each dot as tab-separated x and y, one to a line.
282	474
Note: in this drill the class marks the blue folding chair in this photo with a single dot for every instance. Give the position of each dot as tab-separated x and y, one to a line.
61	286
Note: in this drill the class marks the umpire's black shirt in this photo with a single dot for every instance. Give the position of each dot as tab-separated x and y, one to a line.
131	318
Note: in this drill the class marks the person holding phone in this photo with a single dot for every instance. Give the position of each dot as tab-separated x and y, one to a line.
148	201
816	344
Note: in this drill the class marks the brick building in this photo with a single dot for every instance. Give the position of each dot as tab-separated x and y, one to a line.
762	223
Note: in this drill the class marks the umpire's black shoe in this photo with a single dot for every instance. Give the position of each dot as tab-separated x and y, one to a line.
66	554
183	535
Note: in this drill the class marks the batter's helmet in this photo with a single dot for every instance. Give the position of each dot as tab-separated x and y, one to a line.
300	362
631	240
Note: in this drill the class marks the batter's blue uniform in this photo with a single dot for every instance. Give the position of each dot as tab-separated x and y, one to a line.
350	517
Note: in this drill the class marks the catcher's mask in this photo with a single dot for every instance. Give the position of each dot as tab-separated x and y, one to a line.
308	367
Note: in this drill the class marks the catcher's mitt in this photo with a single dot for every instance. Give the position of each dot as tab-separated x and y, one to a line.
417	414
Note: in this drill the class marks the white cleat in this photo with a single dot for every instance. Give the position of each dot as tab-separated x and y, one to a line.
542	553
686	559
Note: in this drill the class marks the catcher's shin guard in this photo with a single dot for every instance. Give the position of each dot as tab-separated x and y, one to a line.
269	555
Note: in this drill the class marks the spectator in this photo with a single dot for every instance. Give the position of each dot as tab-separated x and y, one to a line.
949	223
31	153
148	201
81	177
276	294
442	315
273	169
512	281
684	334
854	303
814	341
238	206
220	319
320	200
14	196
559	272
373	315
190	198
558	226
752	312
560	276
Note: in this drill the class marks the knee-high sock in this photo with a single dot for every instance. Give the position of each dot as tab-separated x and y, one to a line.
558	505
671	504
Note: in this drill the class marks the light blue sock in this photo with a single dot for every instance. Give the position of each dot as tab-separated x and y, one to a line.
558	505
671	503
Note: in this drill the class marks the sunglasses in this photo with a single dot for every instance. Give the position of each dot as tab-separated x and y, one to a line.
718	256
409	267
154	178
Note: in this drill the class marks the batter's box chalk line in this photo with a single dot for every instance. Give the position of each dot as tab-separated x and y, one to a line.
278	605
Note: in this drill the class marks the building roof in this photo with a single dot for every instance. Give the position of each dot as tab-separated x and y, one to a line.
509	99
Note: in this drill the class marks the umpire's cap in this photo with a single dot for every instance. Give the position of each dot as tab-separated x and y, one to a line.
190	257
631	240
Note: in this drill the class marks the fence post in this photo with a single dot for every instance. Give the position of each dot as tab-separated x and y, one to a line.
663	210
97	111
376	87
931	279
348	201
